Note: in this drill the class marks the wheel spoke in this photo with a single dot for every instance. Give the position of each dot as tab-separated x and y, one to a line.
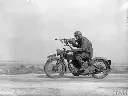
53	69
101	72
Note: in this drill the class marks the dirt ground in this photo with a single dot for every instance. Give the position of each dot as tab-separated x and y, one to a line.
41	85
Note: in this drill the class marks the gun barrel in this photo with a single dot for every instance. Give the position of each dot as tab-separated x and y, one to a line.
61	39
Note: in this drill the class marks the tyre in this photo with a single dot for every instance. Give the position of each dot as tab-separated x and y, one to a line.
101	69
52	69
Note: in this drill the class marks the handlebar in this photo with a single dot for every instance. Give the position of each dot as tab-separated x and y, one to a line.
69	50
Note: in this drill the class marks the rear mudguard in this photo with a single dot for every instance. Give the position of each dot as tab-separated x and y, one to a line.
107	62
61	60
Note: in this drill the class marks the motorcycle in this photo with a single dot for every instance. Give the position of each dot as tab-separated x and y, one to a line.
98	67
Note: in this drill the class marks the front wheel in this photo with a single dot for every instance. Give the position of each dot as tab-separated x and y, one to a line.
54	68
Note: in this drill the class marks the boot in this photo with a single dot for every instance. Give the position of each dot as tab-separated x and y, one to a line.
81	69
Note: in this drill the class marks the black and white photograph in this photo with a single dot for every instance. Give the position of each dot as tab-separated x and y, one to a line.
63	47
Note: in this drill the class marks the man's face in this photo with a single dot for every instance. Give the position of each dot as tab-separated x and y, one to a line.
76	36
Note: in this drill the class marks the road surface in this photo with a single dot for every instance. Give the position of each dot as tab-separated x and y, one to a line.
40	85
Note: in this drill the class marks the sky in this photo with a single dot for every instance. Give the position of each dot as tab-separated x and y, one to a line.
29	27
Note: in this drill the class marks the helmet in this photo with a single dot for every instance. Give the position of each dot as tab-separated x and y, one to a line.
77	33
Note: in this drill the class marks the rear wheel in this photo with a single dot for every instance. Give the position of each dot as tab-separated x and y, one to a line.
101	69
54	68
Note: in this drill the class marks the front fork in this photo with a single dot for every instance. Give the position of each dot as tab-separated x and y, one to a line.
61	60
65	66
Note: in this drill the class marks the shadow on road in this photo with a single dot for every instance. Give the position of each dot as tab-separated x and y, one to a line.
65	76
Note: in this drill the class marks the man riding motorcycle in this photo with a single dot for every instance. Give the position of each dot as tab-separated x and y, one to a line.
84	49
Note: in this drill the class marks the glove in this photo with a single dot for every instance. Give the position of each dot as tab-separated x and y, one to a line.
71	41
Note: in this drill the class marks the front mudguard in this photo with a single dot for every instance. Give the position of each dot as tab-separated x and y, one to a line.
50	58
60	60
107	62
